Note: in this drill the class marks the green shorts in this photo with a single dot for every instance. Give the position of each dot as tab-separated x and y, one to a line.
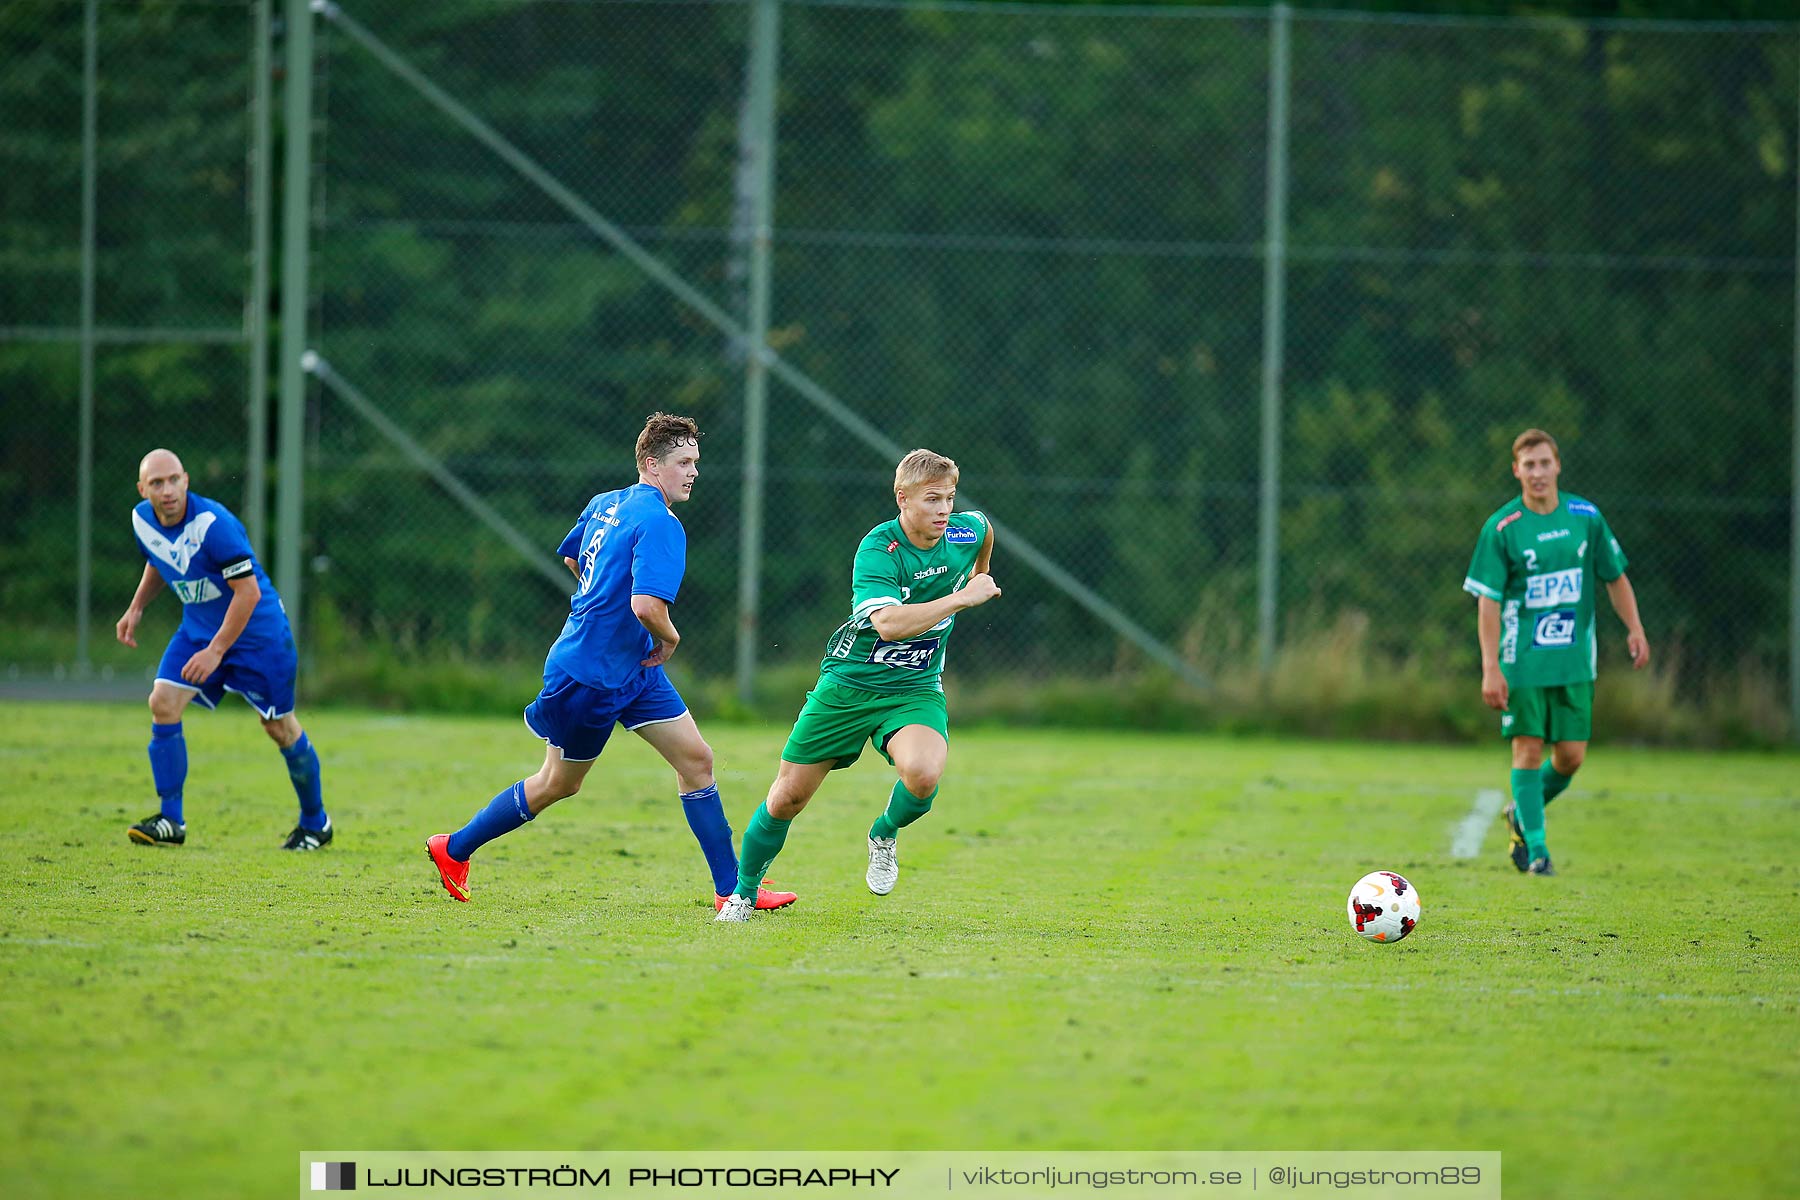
1563	713
836	721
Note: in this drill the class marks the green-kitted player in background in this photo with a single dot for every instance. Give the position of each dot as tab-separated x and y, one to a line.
881	679
1533	579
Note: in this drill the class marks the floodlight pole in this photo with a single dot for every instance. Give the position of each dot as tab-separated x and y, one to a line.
759	141
1794	496
296	215
1268	532
256	312
84	482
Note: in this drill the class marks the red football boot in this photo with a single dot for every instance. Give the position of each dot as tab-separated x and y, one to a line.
455	874
764	899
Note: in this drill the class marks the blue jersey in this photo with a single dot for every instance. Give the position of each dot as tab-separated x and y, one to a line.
627	543
198	557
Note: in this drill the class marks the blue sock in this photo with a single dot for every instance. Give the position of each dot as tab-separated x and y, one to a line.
303	769
706	817
168	767
503	814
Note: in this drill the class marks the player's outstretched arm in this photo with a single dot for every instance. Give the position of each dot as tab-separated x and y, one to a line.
987	551
897	622
652	613
150	584
1487	628
574	567
1624	602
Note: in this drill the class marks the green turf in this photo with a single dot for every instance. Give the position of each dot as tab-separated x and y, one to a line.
1098	941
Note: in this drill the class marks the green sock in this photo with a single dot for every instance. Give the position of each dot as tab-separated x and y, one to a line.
1555	782
1528	807
903	808
763	839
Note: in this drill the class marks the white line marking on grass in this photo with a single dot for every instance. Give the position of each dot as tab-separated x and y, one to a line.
1466	843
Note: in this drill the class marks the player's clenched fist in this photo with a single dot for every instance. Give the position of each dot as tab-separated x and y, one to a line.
980	590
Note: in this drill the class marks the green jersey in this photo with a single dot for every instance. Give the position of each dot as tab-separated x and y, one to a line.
1541	569
891	570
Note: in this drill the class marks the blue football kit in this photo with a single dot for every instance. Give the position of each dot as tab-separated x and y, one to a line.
197	559
626	543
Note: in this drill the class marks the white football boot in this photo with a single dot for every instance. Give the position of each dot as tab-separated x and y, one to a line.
884	865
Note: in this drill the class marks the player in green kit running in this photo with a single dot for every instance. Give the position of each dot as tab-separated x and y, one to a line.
881	679
1532	577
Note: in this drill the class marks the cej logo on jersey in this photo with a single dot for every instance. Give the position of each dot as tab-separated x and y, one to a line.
1555	629
957	535
911	656
1557	587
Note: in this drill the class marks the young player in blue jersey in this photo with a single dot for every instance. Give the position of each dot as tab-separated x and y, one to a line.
628	553
234	637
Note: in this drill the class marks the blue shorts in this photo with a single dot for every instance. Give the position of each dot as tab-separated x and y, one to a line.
577	719
259	669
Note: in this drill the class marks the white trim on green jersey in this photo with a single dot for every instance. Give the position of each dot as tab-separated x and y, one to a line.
890	570
1540	568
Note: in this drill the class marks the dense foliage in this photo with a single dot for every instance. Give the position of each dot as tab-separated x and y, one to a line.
1031	239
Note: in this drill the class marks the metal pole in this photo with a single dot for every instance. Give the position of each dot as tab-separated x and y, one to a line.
296	216
1268	540
544	564
765	33
1794	497
84	486
256	314
728	325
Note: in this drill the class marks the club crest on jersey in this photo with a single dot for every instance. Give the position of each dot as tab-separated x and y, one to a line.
177	552
958	535
910	656
1555	629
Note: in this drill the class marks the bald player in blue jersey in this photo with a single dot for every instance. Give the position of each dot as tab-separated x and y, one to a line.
628	552
234	637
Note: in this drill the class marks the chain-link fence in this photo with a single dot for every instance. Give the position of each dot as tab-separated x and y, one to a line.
1230	317
126	258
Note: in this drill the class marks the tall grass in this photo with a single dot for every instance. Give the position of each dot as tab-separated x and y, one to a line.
1328	680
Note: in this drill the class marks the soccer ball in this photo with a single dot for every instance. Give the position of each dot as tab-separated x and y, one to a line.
1384	907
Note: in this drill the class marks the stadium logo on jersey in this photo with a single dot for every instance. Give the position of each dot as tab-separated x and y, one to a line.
928	572
1582	508
1555	629
195	591
910	656
179	551
1557	587
1550	535
956	535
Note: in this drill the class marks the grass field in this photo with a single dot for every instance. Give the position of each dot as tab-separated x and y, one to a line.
1098	941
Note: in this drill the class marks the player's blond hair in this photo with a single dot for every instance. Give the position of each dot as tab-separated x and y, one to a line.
1535	437
662	433
924	466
